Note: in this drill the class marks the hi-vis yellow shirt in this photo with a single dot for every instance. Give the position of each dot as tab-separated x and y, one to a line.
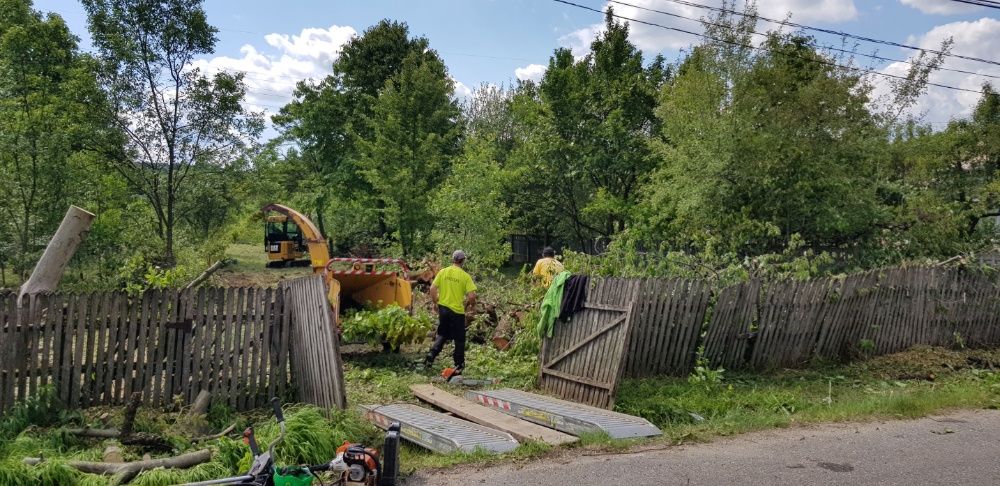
453	283
548	268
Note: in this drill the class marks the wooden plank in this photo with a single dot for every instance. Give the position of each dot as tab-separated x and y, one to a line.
99	391
79	339
236	340
265	368
577	379
48	336
256	369
520	429
272	334
283	348
117	320
244	367
199	342
224	323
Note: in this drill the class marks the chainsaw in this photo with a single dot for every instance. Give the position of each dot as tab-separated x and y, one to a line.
453	376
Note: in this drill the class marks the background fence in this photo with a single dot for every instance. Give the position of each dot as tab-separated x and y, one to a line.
98	348
757	325
885	311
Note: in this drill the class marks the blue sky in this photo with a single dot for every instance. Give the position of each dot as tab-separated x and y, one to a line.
494	41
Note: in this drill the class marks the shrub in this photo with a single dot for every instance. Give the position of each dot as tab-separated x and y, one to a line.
391	324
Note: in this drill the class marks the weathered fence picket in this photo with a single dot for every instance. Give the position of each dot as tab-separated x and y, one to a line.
98	348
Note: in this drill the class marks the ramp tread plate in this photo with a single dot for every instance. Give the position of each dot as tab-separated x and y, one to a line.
573	418
440	432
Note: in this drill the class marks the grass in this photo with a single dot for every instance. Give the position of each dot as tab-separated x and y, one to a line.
905	385
250	268
912	384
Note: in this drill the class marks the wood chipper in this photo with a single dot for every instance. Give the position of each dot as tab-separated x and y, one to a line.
350	282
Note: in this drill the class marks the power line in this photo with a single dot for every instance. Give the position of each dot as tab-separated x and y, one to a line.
817	46
835	32
820	61
980	3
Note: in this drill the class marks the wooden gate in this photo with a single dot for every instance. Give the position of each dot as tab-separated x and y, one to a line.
317	365
584	358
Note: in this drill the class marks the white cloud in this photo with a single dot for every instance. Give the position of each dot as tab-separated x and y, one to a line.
653	39
534	72
980	38
271	74
461	90
828	11
940	7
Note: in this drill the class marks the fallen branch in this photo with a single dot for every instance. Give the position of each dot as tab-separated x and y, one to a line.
219	265
224	432
127	471
98	433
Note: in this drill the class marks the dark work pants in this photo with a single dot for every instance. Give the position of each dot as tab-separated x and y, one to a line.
451	326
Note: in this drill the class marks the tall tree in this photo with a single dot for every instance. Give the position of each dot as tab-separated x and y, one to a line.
49	117
590	126
173	115
413	132
328	118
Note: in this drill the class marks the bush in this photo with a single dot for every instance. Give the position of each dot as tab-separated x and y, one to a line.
391	324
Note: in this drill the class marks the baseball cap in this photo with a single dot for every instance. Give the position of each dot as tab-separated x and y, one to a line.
458	256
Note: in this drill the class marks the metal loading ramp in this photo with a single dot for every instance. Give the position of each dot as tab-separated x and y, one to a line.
569	417
437	431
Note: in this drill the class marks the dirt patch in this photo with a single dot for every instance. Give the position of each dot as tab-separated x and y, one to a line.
928	363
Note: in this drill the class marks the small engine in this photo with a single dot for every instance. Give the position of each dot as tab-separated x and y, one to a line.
359	463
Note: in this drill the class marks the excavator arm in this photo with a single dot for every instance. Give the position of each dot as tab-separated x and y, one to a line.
319	253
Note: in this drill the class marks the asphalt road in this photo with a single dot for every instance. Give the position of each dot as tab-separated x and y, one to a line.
961	448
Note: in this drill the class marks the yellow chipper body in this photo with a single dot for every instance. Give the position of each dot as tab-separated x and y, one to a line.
371	282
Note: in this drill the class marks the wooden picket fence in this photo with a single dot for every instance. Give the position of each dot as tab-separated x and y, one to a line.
758	325
98	348
784	324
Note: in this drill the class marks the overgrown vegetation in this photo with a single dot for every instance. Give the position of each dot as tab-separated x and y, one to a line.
726	162
391	325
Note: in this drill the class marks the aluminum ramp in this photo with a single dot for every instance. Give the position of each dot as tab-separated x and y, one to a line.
437	431
569	417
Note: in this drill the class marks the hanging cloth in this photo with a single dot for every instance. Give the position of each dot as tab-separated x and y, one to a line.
551	304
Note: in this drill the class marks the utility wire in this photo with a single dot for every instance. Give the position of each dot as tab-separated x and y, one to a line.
817	46
980	3
836	32
737	44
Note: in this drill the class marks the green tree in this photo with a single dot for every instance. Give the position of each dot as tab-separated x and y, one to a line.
414	134
469	208
173	115
761	146
327	119
589	123
49	118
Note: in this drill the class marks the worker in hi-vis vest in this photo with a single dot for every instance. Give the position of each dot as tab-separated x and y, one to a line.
454	294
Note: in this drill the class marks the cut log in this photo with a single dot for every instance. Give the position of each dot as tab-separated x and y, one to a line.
50	267
219	265
225	432
113	455
201	404
98	433
129	419
520	429
127	471
502	334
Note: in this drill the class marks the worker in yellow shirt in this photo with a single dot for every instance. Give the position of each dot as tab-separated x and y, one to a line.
453	292
547	267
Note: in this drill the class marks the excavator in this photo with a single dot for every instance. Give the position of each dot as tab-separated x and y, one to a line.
350	282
